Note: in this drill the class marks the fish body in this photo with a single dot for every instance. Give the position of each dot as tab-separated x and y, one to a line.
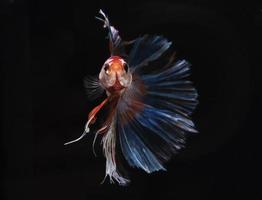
149	102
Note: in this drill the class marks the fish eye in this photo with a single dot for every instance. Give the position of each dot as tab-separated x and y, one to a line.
126	67
106	68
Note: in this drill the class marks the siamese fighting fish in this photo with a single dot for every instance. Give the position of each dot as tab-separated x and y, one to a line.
144	102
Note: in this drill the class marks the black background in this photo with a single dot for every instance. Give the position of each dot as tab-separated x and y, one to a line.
50	46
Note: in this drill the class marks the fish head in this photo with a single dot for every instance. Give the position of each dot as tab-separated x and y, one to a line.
115	75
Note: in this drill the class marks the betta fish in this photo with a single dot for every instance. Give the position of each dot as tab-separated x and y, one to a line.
145	116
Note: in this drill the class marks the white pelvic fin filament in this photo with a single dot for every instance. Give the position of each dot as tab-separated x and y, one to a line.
109	144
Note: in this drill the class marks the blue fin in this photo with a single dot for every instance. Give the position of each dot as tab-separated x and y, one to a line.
154	112
146	49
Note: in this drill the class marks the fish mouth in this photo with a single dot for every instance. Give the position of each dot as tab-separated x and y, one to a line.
117	87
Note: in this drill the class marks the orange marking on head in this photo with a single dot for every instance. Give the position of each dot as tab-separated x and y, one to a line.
115	63
116	66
